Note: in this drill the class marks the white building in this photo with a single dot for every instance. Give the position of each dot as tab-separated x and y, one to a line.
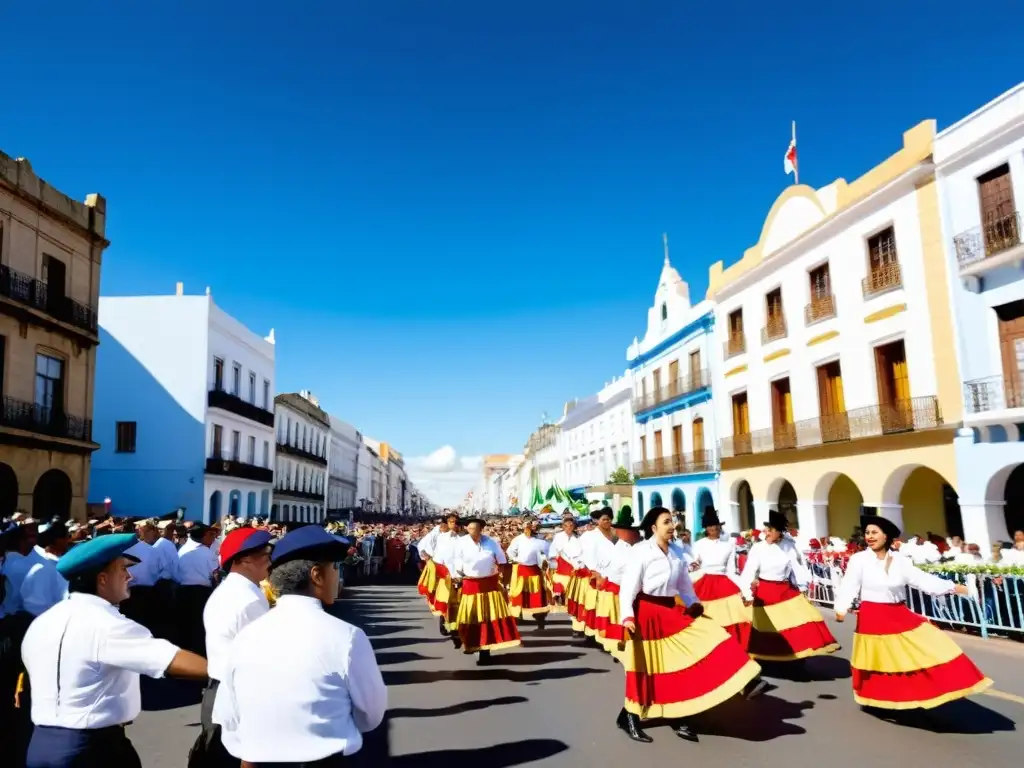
595	437
343	466
377	500
300	473
543	455
186	393
674	438
364	474
979	167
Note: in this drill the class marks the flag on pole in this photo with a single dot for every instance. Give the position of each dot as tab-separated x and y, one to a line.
789	162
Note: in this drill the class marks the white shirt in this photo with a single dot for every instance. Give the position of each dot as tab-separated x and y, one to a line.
43	587
528	550
444	548
558	542
866	578
145	572
586	541
101	656
1012	557
15	568
773	562
428	543
196	566
477	561
168	558
652	572
188	545
597	550
616	566
234	603
312	702
717	557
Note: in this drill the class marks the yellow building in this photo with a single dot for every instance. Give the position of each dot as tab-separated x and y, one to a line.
837	386
50	254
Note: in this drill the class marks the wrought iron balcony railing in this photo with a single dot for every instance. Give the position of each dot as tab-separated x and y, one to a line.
736	344
683	385
684	464
821	307
996	236
241	469
301	453
993	393
218	398
18	414
30	292
312	496
774	328
887	277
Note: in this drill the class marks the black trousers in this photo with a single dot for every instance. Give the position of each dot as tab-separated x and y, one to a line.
190	604
208	750
334	761
53	747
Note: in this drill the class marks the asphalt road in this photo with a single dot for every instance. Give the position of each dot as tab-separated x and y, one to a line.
553	703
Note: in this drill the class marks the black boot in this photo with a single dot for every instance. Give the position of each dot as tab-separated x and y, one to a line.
444	629
541	619
456	640
755	688
683	732
483	659
631	725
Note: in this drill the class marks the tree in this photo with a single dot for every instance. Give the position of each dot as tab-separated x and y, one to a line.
620	476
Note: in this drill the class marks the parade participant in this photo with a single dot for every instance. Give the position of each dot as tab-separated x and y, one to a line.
786	625
163	594
528	593
428	578
717	580
196	567
19	557
141	605
43	586
579	585
677	663
564	569
395	550
446	596
484	622
607	621
900	660
597	549
312	705
84	660
236	601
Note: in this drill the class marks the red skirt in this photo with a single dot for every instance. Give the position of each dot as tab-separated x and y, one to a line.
589	613
446	598
608	622
901	661
575	595
484	622
560	579
428	581
677	666
527	594
723	604
786	626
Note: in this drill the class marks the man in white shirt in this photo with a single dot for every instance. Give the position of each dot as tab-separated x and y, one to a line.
314	702
84	660
43	586
141	606
196	568
167	551
236	602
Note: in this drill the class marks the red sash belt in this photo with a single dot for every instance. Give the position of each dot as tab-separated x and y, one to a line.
528	570
481	586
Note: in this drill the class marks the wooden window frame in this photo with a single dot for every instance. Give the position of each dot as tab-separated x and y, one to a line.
125	436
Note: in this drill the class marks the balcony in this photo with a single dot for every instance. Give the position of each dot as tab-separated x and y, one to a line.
40	304
301	453
774	328
684	464
218	398
821	307
989	246
29	417
292	493
882	279
993	393
240	469
734	345
683	385
912	415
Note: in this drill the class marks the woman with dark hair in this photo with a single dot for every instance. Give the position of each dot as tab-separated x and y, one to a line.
718	583
528	593
900	660
677	663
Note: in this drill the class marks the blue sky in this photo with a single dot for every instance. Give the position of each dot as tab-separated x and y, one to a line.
451	212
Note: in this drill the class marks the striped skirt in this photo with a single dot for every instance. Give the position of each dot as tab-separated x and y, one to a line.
428	582
483	620
608	623
446	597
528	593
723	604
575	597
786	626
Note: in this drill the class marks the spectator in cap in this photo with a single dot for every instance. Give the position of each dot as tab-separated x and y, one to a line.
84	660
326	692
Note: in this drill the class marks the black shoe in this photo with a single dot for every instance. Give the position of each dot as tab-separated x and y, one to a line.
755	688
483	659
683	732
576	635
540	623
456	641
444	629
631	725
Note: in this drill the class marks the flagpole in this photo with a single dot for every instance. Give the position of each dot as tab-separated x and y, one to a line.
796	165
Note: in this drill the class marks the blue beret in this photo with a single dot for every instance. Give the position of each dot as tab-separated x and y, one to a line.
309	543
96	554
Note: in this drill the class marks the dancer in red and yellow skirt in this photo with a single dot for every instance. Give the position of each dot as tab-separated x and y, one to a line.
529	594
598	545
562	567
428	577
900	660
483	621
608	622
446	596
716	580
575	590
677	663
786	625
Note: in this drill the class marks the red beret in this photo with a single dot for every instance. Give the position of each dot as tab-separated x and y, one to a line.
241	541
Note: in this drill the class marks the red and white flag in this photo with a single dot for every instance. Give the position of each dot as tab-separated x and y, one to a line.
789	163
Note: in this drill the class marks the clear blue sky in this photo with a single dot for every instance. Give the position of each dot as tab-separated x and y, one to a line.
451	212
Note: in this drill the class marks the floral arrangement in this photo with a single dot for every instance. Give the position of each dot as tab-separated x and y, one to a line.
989	569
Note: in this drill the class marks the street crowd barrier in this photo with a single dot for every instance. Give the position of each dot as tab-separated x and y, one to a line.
994	604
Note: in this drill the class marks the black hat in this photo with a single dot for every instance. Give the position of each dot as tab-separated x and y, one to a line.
647	524
473	519
624	520
776	520
597	514
888	527
709	518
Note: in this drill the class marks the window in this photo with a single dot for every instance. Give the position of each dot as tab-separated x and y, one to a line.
266	454
736	343
883	266
50	384
664	311
822	304
236	380
252	387
3	349
252	450
218	441
125	433
55	277
218	374
266	394
821	282
236	445
999	222
774	323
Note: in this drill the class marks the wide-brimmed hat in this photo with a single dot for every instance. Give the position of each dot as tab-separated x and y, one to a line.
624	520
647	524
776	520
887	526
709	517
473	519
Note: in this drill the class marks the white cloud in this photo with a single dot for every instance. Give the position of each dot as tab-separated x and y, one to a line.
444	476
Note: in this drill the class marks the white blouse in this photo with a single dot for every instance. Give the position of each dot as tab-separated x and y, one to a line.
616	565
558	542
528	550
442	549
773	562
572	552
598	552
650	571
716	557
866	578
477	560
429	542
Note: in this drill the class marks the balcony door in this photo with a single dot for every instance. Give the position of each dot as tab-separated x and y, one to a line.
677	448
698	440
656	380
783	429
832	404
1011	347
658	448
695	379
894	402
740	424
673	379
49	395
998	215
55	275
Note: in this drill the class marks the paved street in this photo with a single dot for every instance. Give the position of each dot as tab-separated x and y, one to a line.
550	703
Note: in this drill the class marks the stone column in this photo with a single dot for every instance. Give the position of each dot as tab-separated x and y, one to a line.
812	519
761	510
731	517
984	524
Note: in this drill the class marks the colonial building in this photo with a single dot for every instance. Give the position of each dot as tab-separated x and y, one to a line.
378	477
300	473
670	371
364	472
183	410
395	491
836	379
542	454
595	436
343	467
51	249
979	167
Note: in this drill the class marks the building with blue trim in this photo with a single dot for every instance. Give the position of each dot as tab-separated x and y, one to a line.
674	437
